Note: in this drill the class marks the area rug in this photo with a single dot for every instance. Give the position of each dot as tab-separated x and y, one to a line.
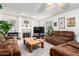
37	51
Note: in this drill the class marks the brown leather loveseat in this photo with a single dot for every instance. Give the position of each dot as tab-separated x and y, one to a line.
59	37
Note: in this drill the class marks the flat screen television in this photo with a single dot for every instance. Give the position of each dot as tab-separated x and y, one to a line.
38	29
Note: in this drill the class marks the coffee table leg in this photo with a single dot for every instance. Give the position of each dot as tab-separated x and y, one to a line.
24	41
30	49
42	44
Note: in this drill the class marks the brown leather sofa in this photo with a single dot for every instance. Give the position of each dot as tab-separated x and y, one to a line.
67	49
65	43
59	37
9	46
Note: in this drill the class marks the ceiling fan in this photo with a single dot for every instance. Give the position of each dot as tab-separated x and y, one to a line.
0	6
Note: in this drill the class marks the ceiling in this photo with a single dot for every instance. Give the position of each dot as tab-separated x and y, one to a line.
36	10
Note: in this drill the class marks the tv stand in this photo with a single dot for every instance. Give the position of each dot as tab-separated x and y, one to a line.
38	35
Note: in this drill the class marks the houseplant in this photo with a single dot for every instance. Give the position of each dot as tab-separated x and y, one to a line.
5	26
0	6
49	30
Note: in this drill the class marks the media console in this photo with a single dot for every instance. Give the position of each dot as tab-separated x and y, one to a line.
38	32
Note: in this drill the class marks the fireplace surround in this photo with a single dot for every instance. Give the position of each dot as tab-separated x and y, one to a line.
27	34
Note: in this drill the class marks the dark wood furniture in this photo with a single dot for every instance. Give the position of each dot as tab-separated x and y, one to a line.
16	34
26	35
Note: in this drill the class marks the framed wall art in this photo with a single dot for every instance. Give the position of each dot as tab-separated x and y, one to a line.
55	24
26	23
71	22
61	23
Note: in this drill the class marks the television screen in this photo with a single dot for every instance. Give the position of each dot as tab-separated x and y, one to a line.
38	29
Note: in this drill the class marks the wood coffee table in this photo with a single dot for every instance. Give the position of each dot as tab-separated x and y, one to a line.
30	42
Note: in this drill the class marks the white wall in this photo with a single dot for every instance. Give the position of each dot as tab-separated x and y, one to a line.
36	22
10	19
19	25
32	23
71	13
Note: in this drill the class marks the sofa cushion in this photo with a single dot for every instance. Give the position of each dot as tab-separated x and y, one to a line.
66	38
66	33
56	41
7	42
5	52
65	49
56	33
2	39
74	44
60	37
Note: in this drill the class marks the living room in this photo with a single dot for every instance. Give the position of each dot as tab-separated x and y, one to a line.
39	29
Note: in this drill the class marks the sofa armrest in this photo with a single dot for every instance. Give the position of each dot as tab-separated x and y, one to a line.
5	52
53	52
56	51
73	44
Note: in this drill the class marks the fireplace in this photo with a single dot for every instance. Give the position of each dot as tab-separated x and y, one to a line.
26	35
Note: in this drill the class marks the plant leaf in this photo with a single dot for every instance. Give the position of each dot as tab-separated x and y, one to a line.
0	6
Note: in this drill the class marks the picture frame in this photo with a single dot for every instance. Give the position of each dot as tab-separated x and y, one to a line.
61	23
71	22
26	22
55	24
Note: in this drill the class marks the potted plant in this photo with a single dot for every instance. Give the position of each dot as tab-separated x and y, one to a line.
5	26
0	6
49	30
